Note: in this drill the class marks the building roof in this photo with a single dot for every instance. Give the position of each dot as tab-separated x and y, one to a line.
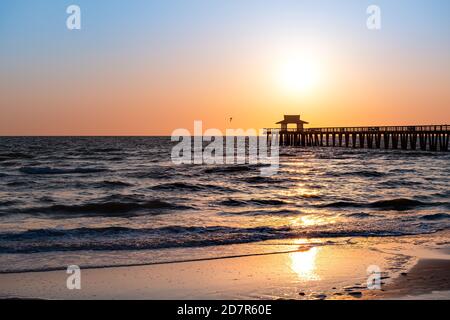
288	119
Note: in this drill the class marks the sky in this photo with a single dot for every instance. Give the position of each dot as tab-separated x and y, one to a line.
141	67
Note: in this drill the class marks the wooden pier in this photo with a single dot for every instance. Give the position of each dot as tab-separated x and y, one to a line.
425	137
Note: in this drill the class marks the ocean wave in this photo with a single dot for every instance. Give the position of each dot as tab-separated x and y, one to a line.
103	150
399	204
7	203
233	168
49	170
309	196
158	173
15	155
341	204
122	238
445	194
269	202
232	203
113	184
436	216
399	170
401	154
284	212
8	164
237	203
361	215
177	186
361	173
108	208
393	204
19	183
395	183
258	179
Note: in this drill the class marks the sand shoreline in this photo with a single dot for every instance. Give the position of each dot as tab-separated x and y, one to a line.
428	279
410	268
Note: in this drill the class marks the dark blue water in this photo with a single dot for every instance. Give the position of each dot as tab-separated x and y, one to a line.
118	200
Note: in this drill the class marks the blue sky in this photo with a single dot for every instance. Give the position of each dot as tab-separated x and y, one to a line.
38	26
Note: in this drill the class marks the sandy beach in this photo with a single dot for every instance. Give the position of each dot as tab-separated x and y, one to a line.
428	279
411	267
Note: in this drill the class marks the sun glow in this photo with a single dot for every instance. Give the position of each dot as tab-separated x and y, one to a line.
303	263
298	75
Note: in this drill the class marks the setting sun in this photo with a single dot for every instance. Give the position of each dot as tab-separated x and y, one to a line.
298	75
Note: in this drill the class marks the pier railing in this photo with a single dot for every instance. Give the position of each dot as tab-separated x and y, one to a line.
426	137
381	129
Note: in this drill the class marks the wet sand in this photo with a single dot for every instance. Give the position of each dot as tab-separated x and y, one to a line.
409	268
428	279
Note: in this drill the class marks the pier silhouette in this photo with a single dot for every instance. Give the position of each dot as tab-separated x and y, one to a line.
414	137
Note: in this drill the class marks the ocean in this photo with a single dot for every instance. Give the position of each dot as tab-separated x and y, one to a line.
109	201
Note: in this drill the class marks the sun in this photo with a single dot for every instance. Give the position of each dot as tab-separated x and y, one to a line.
298	75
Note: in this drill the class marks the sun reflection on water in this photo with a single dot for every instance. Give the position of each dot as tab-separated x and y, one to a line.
303	263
